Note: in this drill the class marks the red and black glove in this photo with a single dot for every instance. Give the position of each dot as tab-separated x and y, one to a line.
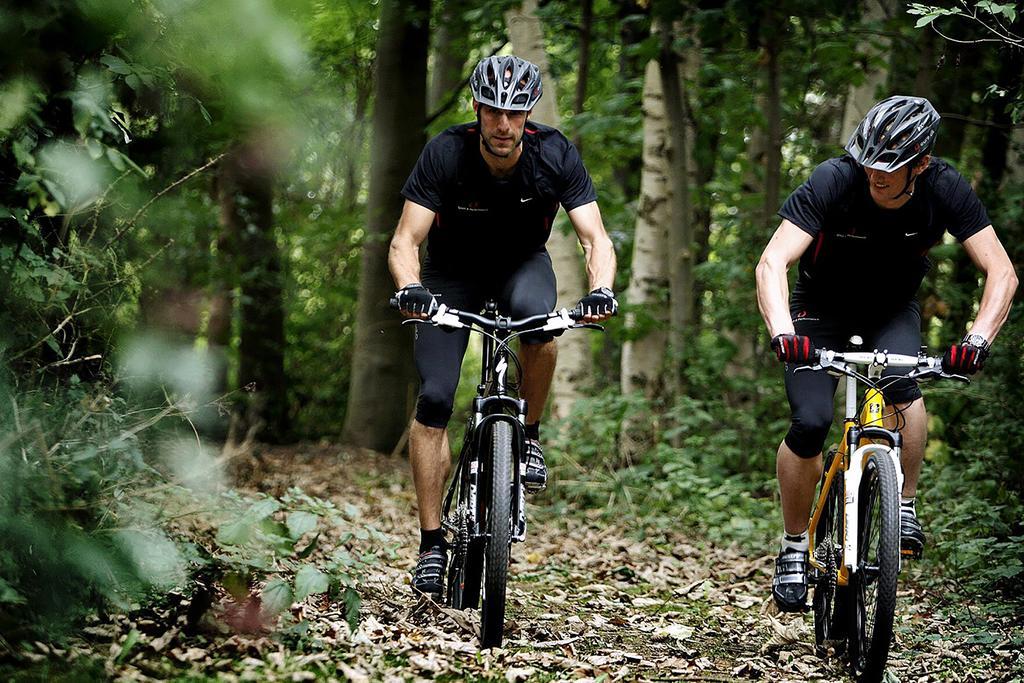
793	348
964	358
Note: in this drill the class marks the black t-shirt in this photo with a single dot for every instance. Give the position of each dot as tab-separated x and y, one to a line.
862	251
483	222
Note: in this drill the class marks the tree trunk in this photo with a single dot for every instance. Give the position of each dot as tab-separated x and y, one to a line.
762	179
449	53
355	160
680	226
631	67
861	97
644	351
583	72
527	38
997	137
247	195
380	394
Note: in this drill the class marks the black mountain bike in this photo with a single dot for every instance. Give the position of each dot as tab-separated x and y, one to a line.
485	508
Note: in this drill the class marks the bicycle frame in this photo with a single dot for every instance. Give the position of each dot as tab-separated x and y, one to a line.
850	459
492	403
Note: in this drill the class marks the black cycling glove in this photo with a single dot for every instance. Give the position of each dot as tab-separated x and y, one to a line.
793	348
964	358
416	299
601	301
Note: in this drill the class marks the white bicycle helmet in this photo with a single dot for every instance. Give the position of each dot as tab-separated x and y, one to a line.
506	82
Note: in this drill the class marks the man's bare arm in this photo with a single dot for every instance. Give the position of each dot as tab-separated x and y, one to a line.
988	254
786	246
597	247
404	254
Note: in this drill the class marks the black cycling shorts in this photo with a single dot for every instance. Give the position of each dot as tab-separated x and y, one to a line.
525	289
811	394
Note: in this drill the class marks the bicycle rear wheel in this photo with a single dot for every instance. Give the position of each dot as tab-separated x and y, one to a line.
873	585
830	604
499	539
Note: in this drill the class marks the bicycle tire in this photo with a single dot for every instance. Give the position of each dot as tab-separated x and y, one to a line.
499	539
877	568
830	602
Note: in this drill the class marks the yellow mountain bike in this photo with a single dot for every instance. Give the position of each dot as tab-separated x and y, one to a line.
854	532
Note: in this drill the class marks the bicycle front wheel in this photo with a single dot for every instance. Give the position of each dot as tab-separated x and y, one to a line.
874	583
499	535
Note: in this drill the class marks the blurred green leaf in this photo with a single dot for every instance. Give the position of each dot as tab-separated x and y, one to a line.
301	522
276	597
309	581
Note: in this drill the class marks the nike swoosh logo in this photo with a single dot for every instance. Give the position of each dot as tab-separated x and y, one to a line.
909	234
525	199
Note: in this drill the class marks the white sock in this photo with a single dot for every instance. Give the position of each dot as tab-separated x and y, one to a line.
795	541
908	502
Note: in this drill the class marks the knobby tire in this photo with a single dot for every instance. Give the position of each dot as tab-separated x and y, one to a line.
878	567
499	540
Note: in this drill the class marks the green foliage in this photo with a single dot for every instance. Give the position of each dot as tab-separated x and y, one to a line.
70	462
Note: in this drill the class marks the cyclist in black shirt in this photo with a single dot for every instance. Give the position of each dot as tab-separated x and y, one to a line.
484	196
862	226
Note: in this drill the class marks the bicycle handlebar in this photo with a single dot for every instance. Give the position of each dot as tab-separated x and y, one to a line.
925	367
563	319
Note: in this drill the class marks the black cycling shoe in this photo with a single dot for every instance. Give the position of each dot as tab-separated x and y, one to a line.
911	534
789	585
535	474
428	577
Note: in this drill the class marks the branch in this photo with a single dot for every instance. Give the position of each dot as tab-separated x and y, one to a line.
454	97
982	122
130	224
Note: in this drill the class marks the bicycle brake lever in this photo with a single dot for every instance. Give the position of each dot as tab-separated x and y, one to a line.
592	326
808	368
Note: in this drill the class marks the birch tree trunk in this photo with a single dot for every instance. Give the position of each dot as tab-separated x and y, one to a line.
643	353
861	97
527	39
381	391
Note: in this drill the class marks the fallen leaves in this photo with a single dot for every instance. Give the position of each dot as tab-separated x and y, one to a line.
586	602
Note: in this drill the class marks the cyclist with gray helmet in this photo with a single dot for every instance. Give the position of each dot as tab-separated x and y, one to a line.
483	196
877	209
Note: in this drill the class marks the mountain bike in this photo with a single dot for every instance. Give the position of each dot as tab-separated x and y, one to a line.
484	509
854	531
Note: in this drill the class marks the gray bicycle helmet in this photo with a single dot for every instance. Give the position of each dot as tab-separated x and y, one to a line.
895	132
506	82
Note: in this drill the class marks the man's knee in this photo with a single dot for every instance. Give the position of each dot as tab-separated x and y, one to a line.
434	405
808	431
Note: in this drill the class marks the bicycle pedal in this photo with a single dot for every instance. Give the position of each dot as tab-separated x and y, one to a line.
911	553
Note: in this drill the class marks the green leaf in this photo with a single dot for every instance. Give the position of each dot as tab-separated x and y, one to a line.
926	19
129	642
276	597
352	605
309	580
116	64
115	158
308	550
301	522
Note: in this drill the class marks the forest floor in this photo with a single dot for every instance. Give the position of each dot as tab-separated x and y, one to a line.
588	600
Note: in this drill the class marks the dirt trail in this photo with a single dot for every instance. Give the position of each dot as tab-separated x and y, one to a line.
592	601
588	601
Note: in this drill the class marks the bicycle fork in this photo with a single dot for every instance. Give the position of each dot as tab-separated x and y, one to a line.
871	420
